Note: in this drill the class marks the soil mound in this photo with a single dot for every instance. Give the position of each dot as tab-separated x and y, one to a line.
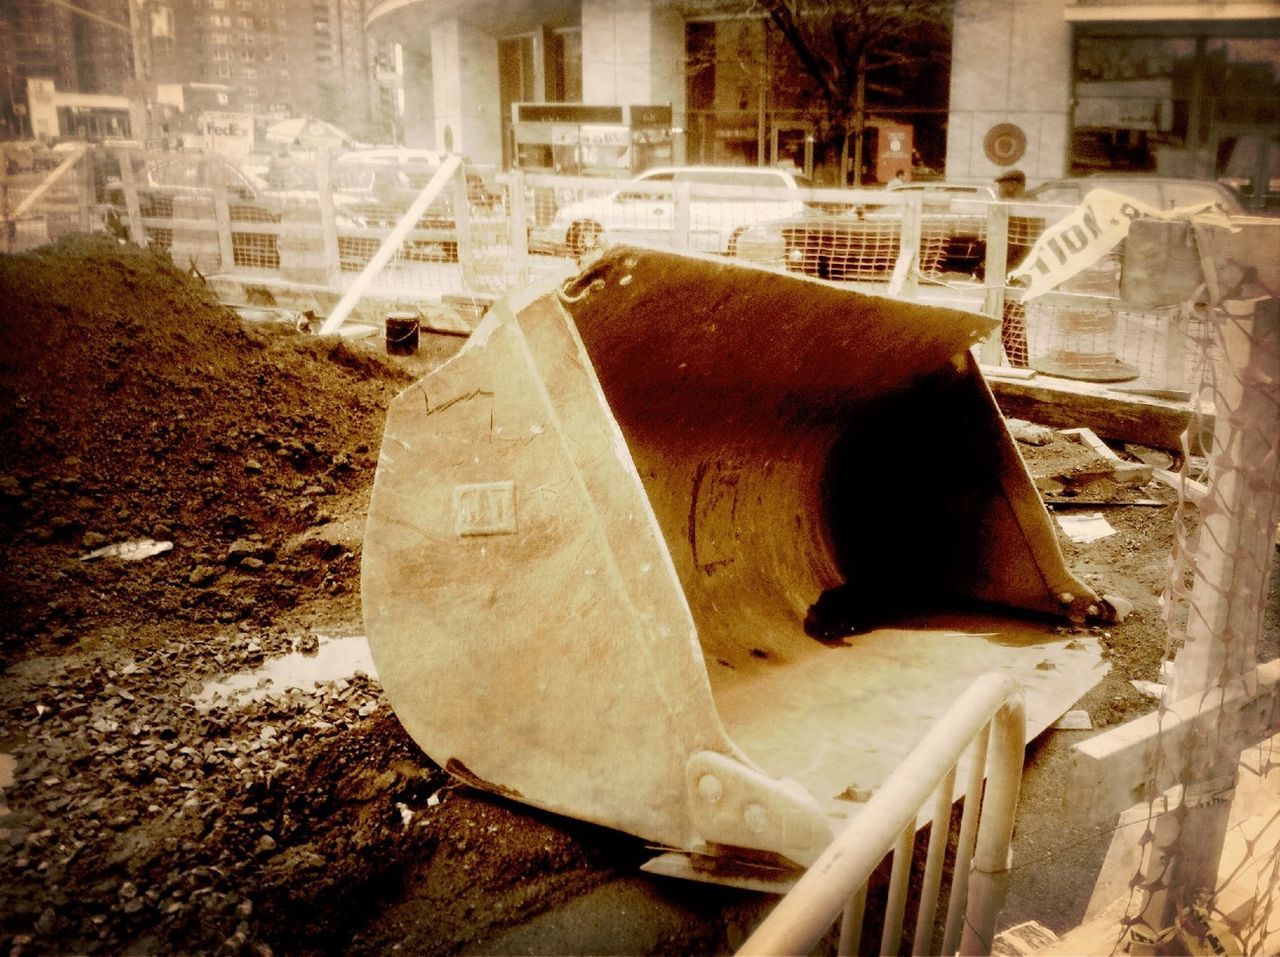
134	406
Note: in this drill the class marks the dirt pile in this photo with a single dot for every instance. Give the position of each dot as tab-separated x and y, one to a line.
134	406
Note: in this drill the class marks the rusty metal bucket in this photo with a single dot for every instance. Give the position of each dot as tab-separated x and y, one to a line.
697	551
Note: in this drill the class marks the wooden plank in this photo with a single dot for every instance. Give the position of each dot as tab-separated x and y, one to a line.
1196	492
1122	472
1110	414
1136	761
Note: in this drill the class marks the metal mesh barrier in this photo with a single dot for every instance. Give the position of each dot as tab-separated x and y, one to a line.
1206	763
320	221
43	198
707	212
1212	871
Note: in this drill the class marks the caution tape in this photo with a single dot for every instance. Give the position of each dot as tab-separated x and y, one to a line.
1093	229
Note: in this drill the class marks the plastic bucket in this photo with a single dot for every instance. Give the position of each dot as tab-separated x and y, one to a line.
402	333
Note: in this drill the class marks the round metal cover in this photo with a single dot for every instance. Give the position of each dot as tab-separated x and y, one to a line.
1005	144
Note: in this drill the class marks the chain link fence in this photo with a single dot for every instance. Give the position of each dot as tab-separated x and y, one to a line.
1211	872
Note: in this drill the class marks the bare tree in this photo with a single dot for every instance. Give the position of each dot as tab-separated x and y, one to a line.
845	47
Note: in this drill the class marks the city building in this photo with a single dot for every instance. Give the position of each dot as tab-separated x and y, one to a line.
268	58
80	53
1052	87
717	66
1058	87
278	58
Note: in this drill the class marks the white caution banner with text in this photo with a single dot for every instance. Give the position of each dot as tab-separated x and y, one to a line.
1092	230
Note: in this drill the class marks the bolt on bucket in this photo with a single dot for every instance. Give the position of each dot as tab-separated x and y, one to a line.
697	551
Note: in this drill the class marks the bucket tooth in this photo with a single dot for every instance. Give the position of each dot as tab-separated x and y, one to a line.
596	535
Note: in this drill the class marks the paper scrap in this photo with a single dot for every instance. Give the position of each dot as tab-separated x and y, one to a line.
130	551
1152	689
1074	721
1085	527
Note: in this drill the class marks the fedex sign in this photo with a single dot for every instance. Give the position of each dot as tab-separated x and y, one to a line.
228	133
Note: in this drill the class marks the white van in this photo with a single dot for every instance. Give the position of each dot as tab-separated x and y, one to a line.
723	201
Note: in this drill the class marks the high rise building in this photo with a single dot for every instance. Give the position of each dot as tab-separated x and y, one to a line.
286	57
77	52
267	57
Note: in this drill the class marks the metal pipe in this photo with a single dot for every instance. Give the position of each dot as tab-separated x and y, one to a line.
819	896
991	860
896	906
390	245
958	899
851	923
934	861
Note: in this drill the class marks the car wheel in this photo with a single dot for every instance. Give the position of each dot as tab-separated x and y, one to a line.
585	237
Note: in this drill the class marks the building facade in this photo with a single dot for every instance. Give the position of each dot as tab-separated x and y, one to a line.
1051	87
732	86
1065	87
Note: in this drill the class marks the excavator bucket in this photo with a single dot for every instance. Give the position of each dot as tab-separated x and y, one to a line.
698	551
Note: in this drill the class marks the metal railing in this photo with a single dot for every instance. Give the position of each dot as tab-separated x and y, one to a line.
989	722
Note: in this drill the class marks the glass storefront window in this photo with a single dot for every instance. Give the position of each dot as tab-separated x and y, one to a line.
1188	105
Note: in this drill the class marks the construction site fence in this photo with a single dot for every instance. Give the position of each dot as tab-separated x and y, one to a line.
320	220
324	221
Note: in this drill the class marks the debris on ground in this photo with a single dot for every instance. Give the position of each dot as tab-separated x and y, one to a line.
133	406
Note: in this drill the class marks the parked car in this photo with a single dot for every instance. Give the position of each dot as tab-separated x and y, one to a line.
1163	192
250	200
723	201
944	188
861	243
385	182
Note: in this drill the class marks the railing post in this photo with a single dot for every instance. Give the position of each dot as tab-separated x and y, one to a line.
931	882
991	351
328	216
519	227
681	219
899	875
9	228
132	207
84	190
958	899
1175	349
902	283
990	870
221	210
462	227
